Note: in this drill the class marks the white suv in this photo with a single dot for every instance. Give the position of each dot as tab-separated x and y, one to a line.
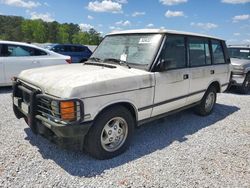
132	77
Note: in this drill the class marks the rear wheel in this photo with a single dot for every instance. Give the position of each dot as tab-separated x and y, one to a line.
111	133
244	89
207	103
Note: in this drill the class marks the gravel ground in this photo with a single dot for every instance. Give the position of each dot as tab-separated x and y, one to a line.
182	150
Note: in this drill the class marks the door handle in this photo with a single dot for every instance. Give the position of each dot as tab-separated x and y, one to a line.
211	71
185	76
35	62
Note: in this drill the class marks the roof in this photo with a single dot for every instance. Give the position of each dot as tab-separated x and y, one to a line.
238	46
26	44
19	43
160	31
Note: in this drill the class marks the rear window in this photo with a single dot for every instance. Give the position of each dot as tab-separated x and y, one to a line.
199	53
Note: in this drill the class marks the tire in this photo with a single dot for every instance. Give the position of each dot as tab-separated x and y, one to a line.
111	133
207	102
245	88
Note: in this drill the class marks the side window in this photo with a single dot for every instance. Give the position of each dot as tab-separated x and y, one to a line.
71	49
39	52
18	51
81	49
58	48
5	51
173	54
199	53
218	54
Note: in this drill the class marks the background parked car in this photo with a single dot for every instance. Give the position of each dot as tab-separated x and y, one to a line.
78	53
240	59
16	56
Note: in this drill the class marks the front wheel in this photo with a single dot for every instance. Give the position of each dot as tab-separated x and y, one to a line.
207	103
244	89
111	133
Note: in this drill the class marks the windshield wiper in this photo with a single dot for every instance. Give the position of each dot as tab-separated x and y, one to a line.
118	61
94	59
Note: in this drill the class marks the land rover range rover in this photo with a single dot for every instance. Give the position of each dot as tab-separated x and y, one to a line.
132	77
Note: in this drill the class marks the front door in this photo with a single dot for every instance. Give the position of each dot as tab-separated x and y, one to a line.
172	84
18	58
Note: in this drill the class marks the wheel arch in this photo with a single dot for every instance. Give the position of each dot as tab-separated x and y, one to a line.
128	105
216	84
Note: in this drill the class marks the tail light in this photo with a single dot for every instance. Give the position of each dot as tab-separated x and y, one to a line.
69	61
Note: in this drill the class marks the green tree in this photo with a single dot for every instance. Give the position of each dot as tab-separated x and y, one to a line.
63	34
26	28
52	29
20	29
38	31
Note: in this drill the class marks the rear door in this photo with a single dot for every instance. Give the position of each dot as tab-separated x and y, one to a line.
172	84
18	58
221	63
201	69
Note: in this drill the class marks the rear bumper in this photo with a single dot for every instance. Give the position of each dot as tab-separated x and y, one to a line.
40	124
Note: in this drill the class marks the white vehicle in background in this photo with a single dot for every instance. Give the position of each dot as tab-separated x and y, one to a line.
16	57
240	59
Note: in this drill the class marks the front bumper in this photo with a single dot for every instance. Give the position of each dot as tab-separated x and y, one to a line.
38	123
238	79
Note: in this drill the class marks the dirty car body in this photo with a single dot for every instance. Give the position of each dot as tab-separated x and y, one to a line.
133	77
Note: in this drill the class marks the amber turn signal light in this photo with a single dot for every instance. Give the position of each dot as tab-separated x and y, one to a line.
67	109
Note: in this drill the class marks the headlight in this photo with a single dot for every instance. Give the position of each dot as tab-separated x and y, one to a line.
55	108
238	68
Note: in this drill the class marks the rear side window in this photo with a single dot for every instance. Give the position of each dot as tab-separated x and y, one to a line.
80	49
39	52
218	54
173	54
199	53
59	48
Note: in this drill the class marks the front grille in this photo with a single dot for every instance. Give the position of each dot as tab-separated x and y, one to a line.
51	109
44	108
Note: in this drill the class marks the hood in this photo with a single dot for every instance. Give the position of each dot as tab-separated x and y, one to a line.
84	80
240	62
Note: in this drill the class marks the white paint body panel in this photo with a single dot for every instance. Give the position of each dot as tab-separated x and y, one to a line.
169	85
11	66
2	73
99	87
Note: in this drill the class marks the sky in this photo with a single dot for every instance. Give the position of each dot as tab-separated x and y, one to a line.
227	19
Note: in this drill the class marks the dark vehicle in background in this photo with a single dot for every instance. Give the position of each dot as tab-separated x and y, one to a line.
240	59
78	53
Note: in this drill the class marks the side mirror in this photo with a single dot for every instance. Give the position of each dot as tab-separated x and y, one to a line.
162	65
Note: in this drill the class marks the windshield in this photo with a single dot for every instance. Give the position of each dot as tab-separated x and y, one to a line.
241	53
134	49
